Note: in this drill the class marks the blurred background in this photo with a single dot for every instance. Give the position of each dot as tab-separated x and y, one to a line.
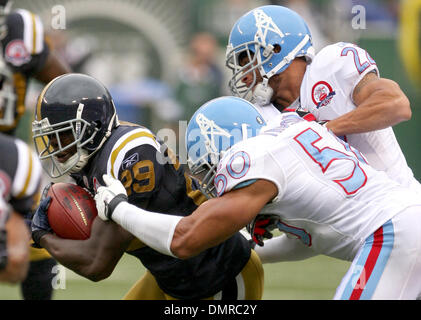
161	59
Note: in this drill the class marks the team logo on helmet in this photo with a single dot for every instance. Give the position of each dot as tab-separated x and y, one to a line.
322	93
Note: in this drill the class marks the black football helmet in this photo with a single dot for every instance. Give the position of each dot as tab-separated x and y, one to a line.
77	104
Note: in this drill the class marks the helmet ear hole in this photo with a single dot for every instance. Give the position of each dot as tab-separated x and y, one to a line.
90	130
277	48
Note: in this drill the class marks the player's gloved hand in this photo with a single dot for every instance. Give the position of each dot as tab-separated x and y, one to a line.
109	196
4	216
261	228
40	226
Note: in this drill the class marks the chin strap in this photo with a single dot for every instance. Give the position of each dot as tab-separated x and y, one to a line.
262	93
76	162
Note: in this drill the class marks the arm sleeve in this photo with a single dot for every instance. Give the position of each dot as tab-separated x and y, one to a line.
24	47
282	248
154	229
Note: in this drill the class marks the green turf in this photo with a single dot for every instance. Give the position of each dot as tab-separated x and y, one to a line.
315	278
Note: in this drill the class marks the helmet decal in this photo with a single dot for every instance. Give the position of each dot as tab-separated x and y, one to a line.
210	130
264	24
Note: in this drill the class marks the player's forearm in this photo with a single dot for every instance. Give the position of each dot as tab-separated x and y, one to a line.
54	67
177	236
210	224
94	258
154	229
213	222
70	254
384	107
283	249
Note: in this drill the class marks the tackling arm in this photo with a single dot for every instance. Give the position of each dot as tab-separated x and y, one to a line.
184	237
380	104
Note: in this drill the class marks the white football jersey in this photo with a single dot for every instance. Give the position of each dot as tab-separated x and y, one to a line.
328	197
326	91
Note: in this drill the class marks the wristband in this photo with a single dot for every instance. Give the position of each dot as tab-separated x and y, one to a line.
114	203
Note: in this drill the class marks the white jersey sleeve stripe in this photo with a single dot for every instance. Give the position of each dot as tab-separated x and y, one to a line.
39	31
33	32
28	172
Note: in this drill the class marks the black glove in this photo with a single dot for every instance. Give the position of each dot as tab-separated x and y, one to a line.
40	225
261	226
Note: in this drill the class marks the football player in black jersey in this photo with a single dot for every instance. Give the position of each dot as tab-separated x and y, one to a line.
26	54
77	132
20	176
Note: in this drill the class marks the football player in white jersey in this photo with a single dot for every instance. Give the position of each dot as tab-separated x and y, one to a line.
316	188
274	65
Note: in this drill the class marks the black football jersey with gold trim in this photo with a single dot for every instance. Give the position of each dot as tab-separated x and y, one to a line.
156	181
25	53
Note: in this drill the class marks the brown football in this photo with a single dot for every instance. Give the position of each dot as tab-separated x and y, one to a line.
71	212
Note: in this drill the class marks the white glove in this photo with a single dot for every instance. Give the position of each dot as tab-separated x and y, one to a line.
108	197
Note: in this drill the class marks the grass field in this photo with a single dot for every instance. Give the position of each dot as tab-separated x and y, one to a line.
315	279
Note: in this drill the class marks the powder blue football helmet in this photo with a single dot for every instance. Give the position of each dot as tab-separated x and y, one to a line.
214	128
270	37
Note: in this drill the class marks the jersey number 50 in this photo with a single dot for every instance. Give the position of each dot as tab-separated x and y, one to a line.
324	157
